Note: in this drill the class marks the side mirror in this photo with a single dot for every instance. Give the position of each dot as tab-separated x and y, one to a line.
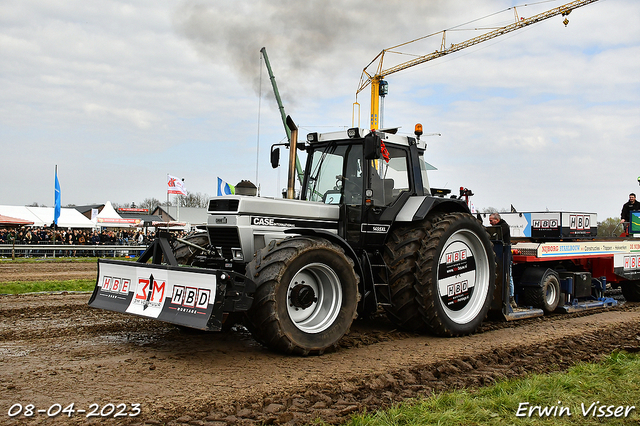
372	143
275	157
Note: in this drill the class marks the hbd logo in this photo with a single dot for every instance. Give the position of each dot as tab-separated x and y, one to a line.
579	222
456	256
545	224
116	285
190	297
457	288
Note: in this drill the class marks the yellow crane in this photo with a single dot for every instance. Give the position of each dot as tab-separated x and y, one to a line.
378	85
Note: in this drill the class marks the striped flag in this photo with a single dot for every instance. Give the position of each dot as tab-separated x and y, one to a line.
224	188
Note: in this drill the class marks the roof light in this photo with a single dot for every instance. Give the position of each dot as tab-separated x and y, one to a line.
354	132
418	130
312	137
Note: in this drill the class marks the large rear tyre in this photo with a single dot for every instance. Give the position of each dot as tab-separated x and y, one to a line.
306	295
186	254
631	290
456	275
401	256
546	297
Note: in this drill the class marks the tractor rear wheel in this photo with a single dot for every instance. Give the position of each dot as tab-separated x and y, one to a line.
306	295
456	275
401	256
184	253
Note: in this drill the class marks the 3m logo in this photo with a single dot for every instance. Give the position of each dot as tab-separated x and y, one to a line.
631	262
191	297
115	284
579	222
457	288
150	292
545	224
456	256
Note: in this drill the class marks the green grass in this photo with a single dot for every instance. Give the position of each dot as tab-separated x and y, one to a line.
615	381
20	287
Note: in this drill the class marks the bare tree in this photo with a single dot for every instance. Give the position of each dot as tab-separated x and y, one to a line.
149	204
193	199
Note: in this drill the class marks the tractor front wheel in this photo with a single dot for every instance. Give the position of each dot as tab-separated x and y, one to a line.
306	295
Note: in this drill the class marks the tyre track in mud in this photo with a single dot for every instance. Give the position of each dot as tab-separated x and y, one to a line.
83	355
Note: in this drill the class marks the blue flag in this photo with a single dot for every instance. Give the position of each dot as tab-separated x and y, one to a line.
56	211
224	188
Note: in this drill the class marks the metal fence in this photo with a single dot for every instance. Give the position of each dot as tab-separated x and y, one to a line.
71	250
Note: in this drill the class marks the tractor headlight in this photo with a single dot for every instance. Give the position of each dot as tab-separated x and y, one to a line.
353	132
236	253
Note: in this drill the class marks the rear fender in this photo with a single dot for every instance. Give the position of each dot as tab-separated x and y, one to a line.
191	297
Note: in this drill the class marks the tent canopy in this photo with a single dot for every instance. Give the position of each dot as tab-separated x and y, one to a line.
13	221
43	216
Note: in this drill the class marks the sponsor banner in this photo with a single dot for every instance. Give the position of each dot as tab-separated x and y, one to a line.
119	220
591	248
178	296
132	210
456	276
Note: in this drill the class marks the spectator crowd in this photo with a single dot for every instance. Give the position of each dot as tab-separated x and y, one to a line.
47	235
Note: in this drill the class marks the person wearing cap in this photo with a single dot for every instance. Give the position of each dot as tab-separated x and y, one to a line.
627	208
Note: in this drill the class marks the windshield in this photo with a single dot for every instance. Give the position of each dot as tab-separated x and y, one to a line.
336	175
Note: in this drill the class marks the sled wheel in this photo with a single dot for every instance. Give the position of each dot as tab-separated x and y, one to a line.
456	275
185	254
547	296
631	290
306	295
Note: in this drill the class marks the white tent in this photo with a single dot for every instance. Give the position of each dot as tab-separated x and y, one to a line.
43	216
69	217
109	218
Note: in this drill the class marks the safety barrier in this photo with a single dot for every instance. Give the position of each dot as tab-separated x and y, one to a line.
71	250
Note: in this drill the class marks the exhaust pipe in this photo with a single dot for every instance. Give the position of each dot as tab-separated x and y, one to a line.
293	146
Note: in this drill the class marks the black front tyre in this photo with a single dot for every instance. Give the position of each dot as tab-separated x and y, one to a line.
456	275
306	295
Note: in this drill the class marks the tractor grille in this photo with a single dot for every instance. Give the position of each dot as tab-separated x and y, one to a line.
227	238
223	205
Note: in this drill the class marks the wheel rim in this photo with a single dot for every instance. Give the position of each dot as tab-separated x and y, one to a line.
463	282
314	297
550	293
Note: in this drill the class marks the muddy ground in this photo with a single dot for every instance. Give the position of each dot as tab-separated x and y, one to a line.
54	349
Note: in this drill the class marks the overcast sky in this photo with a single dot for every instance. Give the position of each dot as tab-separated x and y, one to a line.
119	94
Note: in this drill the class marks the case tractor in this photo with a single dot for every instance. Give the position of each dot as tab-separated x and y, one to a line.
366	234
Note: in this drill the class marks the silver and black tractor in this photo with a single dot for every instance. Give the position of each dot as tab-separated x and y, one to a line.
366	233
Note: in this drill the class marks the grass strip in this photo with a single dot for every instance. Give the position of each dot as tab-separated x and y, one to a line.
21	287
587	394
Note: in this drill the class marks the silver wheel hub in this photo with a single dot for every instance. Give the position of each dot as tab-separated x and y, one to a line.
314	298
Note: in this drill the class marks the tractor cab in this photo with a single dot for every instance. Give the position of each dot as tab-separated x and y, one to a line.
369	174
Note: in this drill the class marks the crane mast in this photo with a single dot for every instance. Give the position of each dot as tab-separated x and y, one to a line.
375	80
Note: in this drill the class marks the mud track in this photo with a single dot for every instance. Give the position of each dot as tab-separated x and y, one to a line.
54	349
